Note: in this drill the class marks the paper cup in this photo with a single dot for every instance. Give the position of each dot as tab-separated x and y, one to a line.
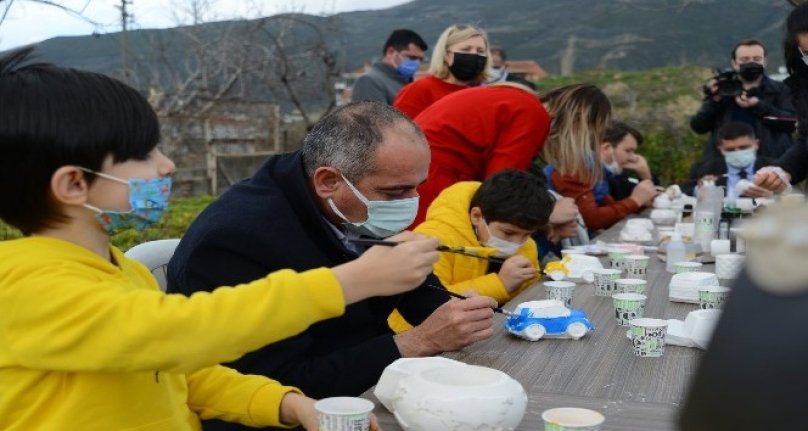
648	337
687	267
636	266
728	265
631	285
344	414
560	290
604	281
628	306
713	297
616	257
572	419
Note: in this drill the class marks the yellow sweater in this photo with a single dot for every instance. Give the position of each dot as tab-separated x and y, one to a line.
88	345
448	220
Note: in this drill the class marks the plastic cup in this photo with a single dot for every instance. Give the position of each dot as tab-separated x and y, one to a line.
616	257
560	290
648	337
713	297
604	281
687	267
344	414
636	266
572	419
628	306
631	285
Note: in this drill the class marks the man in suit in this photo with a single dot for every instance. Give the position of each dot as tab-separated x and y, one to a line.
740	161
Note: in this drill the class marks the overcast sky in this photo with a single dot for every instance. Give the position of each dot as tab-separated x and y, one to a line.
29	22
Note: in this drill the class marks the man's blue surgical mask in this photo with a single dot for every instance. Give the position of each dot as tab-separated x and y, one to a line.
385	218
148	200
740	158
407	68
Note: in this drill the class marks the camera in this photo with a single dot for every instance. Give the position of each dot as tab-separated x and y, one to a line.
729	84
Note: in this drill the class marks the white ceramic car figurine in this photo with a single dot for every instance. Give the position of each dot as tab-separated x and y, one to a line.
547	318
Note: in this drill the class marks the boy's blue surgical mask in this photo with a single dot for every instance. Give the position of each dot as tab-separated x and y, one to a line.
148	200
740	158
385	218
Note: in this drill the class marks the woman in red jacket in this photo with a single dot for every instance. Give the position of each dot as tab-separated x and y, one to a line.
581	114
461	58
479	131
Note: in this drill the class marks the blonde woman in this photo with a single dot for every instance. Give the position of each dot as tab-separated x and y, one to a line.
461	58
580	115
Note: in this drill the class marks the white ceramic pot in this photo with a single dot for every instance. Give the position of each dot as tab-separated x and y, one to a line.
469	398
393	374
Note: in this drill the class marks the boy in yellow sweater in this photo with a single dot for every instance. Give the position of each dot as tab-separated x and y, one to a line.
502	212
87	339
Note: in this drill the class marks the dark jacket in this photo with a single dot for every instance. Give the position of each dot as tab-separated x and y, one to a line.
775	136
270	222
795	160
717	167
619	185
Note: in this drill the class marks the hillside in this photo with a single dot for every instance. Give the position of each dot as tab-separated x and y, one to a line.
587	34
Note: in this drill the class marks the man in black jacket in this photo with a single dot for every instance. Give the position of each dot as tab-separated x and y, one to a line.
618	152
356	175
762	103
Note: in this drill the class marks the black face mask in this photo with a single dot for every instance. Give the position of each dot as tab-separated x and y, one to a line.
751	71
467	66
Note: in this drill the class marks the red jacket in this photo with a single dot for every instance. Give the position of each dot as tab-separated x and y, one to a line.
595	216
420	94
479	131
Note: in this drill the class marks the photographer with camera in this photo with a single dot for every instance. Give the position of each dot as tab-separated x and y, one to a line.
745	94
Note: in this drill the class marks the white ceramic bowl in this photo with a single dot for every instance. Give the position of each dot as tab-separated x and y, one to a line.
666	217
684	287
393	374
459	398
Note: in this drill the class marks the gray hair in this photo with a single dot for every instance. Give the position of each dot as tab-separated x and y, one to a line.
347	138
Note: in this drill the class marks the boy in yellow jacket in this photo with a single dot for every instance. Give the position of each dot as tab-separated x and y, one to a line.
87	339
502	212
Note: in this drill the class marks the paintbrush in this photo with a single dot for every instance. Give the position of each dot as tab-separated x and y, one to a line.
636	181
465	251
499	310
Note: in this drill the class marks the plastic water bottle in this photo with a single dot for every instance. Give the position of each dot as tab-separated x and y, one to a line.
707	214
675	252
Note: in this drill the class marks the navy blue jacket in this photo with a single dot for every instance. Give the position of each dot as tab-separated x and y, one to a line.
270	222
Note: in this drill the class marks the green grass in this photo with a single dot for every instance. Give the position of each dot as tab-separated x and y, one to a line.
659	103
181	212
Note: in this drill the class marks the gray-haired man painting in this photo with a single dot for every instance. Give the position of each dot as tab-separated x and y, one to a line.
355	176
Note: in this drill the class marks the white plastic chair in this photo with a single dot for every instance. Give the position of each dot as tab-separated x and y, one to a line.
155	256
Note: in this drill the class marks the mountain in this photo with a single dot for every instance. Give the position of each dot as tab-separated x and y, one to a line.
585	34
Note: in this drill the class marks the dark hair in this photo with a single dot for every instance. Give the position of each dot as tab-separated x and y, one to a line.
618	130
796	23
735	130
53	117
516	197
402	38
502	54
747	42
347	138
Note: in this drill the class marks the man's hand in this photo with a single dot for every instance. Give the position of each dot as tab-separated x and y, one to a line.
639	165
769	179
746	102
711	89
515	271
383	271
452	326
644	192
564	211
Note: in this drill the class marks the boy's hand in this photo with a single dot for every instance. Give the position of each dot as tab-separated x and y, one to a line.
515	271
384	271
